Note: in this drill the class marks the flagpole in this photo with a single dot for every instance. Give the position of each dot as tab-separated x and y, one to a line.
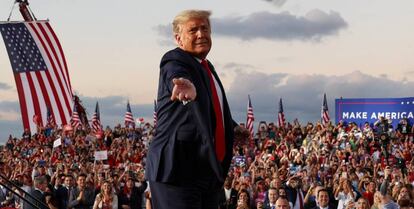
24	10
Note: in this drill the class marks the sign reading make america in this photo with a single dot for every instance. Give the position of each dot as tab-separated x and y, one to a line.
370	110
40	72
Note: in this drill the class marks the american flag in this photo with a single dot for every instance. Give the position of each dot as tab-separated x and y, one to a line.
40	72
129	118
281	115
250	118
155	113
75	120
96	120
50	119
325	112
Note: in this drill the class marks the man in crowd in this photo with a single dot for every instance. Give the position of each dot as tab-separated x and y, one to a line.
272	197
63	192
38	192
282	203
323	199
81	197
228	196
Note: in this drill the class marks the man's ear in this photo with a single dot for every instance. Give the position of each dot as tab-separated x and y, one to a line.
178	39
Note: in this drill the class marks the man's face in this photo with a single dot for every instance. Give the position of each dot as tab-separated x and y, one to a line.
323	199
81	181
68	181
194	37
282	204
294	183
272	196
227	184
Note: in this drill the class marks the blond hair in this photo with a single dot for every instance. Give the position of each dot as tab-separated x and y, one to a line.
185	15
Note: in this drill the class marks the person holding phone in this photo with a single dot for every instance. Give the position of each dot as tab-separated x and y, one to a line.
344	193
386	200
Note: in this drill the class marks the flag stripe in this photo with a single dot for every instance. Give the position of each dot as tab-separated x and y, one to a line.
55	57
45	94
325	111
57	97
58	73
29	101
57	83
250	118
281	116
53	70
39	98
34	95
22	99
54	100
281	119
57	100
62	56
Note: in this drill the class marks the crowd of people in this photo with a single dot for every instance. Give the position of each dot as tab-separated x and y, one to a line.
296	166
68	176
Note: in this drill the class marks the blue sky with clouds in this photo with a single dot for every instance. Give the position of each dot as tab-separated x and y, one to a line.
294	49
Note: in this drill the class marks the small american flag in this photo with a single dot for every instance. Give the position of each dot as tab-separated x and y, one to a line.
75	120
155	113
129	118
96	120
50	119
325	112
250	118
40	72
281	115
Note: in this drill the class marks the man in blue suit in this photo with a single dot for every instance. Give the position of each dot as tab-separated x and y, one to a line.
191	151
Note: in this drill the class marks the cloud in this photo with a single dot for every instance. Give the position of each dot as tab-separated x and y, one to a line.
277	3
9	120
4	86
302	94
9	127
237	66
283	26
9	106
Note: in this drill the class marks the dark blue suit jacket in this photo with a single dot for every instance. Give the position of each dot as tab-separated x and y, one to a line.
183	144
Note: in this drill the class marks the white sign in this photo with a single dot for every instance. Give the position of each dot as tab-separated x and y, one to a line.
57	142
101	155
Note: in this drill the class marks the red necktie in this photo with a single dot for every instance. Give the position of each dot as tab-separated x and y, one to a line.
300	200
219	134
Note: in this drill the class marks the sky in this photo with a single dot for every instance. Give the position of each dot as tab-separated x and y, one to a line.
296	50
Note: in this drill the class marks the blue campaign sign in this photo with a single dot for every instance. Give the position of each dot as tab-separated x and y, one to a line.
370	110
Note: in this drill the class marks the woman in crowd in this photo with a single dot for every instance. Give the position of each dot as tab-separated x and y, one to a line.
243	199
106	199
344	193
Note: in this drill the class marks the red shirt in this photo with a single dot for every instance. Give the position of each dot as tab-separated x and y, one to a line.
369	196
